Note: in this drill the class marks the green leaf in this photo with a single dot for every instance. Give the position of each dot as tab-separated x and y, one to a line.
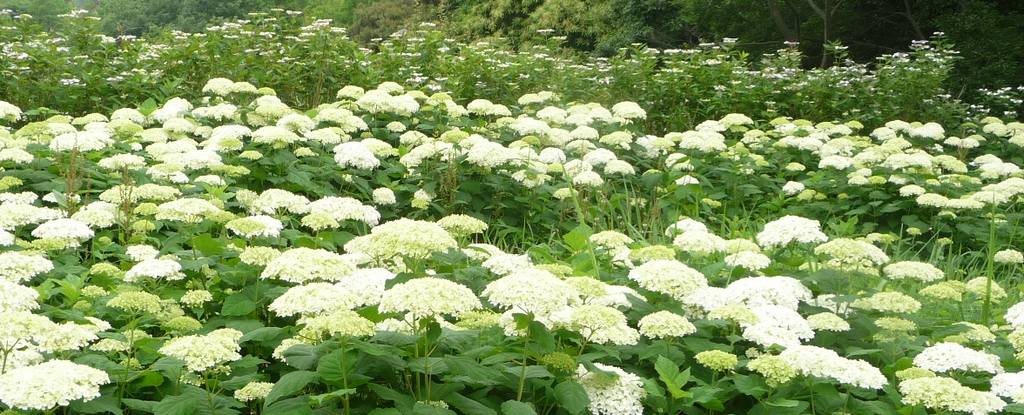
385	411
207	244
579	238
401	400
673	379
571	396
185	404
239	304
106	404
148	106
321	399
517	408
764	408
170	367
541	337
330	367
138	405
289	384
468	370
261	334
469	406
782	402
293	406
302	356
750	385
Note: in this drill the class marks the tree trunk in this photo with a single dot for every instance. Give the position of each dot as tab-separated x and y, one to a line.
907	10
780	21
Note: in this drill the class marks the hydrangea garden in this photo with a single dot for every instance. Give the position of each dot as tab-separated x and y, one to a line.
401	248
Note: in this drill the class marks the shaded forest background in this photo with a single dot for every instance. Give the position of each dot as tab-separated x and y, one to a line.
988	33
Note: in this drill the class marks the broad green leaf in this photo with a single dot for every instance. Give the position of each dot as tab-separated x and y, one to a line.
579	238
207	244
107	403
139	405
517	408
289	384
468	406
261	334
468	370
673	379
293	406
571	396
239	304
401	400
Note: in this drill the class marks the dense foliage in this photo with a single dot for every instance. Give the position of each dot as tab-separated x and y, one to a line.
990	33
70	71
445	228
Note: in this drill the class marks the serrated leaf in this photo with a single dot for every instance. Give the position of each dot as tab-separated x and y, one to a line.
239	304
293	406
571	396
517	408
261	334
107	403
207	245
468	406
289	384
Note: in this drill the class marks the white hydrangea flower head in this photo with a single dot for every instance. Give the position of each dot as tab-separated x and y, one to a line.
531	290
429	297
202	352
946	394
16	266
945	357
301	265
45	386
669	277
920	271
165	269
790	229
405	238
824	363
619	395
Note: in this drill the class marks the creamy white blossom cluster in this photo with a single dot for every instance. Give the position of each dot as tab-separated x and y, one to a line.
403	238
790	229
300	265
824	363
946	357
531	290
19	267
47	385
165	269
616	393
669	277
363	287
429	297
202	352
920	271
71	231
946	394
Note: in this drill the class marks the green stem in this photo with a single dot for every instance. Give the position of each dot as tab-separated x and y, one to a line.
986	307
522	373
344	378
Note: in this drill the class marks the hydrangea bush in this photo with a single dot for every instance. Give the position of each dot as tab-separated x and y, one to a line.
400	251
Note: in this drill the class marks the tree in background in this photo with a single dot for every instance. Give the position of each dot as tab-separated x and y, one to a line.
44	11
989	33
380	18
140	16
